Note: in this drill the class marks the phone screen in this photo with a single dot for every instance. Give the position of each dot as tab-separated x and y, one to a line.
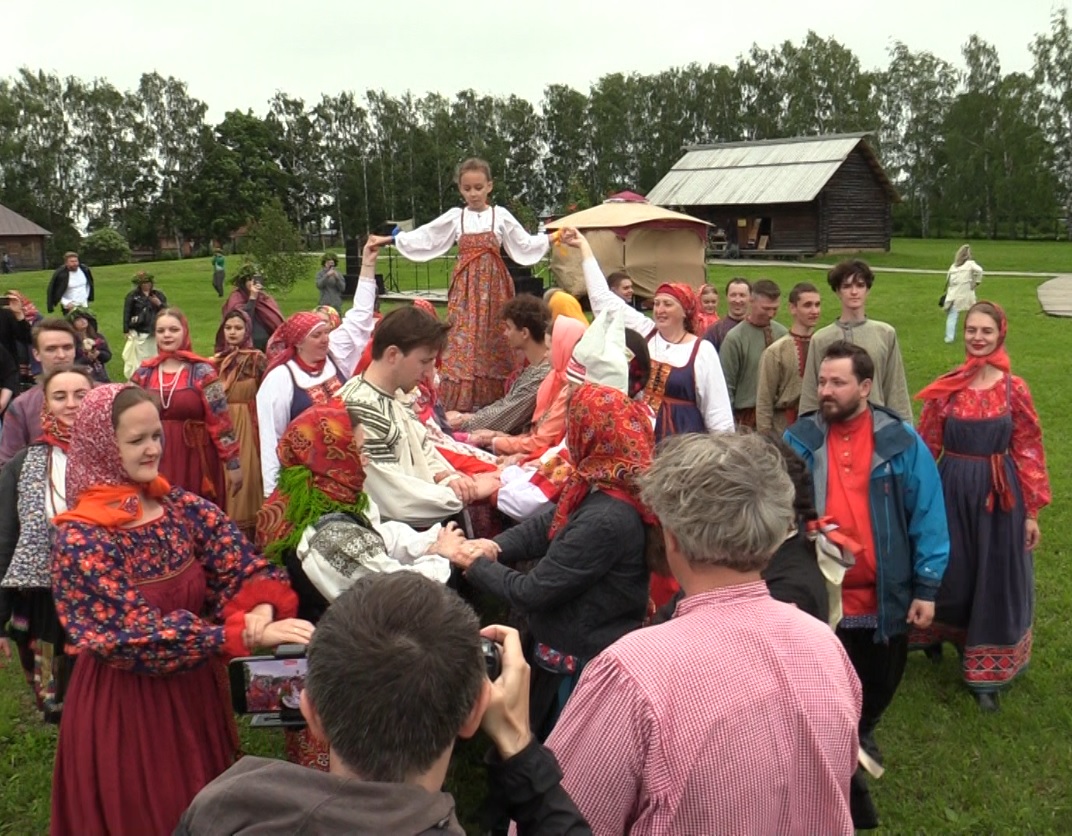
267	684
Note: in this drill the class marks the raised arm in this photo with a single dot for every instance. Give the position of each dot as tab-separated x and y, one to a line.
433	239
354	332
600	296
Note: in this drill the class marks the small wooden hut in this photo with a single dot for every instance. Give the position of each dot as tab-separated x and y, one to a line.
800	196
22	240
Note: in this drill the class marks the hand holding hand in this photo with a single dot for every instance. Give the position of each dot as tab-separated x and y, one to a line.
485	486
921	614
257	619
506	720
449	541
456	419
287	631
463	488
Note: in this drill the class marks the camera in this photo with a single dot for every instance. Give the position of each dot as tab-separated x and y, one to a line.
492	658
270	687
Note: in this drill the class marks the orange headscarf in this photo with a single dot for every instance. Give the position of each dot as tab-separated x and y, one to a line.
99	490
962	376
563	304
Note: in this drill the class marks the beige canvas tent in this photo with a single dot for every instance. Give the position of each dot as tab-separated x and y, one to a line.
653	245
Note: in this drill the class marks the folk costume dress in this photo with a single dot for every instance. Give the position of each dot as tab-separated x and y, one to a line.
993	471
241	370
153	609
290	386
478	360
199	439
33	489
687	389
328	533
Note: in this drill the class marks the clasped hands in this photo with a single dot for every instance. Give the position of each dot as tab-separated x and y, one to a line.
452	545
262	631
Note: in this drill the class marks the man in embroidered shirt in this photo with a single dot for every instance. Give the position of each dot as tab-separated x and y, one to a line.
526	323
738	295
739	714
852	282
781	366
745	344
875	478
406	476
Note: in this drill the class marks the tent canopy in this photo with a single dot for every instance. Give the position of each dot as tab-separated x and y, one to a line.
653	245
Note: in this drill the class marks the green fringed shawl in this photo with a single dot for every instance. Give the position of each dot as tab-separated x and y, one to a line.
305	505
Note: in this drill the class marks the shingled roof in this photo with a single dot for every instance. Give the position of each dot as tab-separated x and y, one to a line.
12	224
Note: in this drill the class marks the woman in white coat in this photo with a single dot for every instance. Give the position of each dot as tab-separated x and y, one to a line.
961	280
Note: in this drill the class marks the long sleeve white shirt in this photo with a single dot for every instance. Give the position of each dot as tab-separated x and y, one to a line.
348	341
274	400
712	396
436	237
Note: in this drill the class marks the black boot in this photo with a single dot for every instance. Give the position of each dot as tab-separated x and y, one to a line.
988	701
864	814
868	744
934	653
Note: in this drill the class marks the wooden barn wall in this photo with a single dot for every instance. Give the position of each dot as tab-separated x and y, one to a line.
794	226
27	251
854	209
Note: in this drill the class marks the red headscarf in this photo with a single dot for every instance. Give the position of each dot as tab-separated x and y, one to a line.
703	320
99	490
320	441
334	320
962	376
686	297
610	438
283	345
185	351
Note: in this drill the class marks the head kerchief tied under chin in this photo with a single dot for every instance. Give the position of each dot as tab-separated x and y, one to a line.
283	344
600	356
685	296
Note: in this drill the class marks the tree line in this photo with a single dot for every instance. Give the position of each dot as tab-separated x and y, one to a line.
971	149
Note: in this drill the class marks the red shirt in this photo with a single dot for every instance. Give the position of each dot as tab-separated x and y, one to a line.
850	446
738	715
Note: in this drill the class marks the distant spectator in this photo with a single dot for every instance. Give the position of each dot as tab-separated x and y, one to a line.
219	272
963	277
5	263
139	321
90	347
330	282
70	285
250	296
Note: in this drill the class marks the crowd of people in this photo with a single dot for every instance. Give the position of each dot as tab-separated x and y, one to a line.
720	538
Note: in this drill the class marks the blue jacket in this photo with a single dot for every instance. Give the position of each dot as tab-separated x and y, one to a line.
908	522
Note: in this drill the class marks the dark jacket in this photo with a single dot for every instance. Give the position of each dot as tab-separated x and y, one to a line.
9	529
139	313
57	285
9	373
267	797
590	587
13	332
908	522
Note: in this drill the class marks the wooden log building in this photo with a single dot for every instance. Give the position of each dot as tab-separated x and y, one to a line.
785	197
22	240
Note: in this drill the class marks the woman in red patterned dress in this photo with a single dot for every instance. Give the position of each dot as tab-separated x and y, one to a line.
478	359
979	418
153	585
199	440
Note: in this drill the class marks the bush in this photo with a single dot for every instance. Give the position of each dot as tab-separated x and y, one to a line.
105	246
276	246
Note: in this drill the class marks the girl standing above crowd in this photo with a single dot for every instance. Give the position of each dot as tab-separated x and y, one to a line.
478	359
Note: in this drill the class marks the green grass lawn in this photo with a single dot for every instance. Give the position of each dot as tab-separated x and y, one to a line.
950	769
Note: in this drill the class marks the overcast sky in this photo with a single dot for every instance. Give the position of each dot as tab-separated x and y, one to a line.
236	53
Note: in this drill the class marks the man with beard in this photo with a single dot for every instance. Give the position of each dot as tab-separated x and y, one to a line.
738	295
873	475
781	366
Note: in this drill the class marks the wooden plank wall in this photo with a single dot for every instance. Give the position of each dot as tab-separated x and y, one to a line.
794	226
855	209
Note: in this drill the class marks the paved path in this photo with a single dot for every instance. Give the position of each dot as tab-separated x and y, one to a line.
1055	296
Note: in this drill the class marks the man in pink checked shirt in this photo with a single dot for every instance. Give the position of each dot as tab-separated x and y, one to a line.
739	715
